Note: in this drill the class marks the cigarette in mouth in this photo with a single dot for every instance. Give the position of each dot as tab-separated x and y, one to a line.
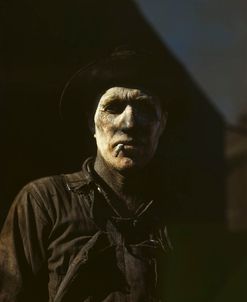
118	149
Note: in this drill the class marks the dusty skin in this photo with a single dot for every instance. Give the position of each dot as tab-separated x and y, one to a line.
128	123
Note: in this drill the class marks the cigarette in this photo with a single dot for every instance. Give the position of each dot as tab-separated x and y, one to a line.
118	149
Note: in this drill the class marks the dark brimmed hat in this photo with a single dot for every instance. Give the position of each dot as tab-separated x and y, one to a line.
124	67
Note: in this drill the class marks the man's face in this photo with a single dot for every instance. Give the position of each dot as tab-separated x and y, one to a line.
128	125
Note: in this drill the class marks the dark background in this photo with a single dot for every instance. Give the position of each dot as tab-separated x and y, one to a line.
42	44
209	37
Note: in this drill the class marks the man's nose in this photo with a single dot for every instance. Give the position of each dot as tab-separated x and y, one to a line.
128	118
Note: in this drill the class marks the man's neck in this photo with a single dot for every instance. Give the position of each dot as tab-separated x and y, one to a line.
128	186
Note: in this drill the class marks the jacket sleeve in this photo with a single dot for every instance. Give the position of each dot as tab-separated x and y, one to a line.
23	243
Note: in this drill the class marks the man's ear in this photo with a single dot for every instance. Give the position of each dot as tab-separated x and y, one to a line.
163	121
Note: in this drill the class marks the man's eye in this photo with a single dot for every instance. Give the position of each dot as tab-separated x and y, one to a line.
146	109
115	108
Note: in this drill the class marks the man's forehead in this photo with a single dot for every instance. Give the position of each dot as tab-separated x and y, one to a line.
125	93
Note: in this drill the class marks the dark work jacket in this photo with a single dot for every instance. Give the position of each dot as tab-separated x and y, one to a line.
65	240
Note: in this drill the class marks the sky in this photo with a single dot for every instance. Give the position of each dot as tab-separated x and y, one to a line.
210	38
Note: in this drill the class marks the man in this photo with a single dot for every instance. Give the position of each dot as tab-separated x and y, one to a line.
98	234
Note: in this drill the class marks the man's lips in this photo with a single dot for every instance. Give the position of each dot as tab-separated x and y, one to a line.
123	146
131	143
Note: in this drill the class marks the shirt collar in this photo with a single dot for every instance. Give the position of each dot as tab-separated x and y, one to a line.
77	182
102	206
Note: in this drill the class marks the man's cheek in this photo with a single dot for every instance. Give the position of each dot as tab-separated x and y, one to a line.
104	139
101	119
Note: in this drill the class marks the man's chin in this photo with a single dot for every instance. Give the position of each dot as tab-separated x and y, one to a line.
125	164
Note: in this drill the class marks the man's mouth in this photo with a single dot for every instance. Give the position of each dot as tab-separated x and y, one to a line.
126	145
130	142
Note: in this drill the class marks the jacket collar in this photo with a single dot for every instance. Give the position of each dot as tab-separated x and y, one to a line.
78	181
102	206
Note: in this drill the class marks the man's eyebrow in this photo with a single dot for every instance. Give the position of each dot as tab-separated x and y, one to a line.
106	99
145	97
109	99
112	99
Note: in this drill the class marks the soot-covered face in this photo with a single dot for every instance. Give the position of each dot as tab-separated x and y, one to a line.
128	125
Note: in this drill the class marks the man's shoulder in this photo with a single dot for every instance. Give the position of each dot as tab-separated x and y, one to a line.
56	183
51	191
